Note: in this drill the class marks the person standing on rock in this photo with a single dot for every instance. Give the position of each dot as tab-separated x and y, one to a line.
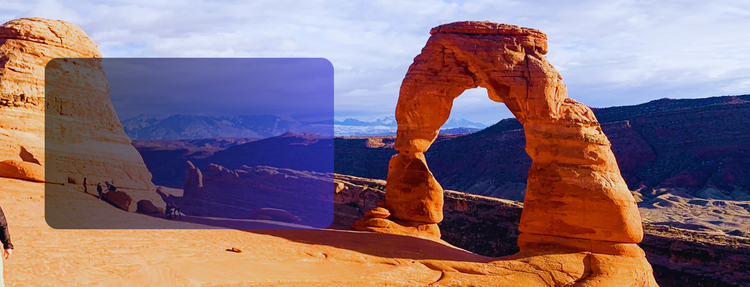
99	190
168	212
85	188
7	246
111	186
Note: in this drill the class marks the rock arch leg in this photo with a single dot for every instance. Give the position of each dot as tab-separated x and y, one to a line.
413	197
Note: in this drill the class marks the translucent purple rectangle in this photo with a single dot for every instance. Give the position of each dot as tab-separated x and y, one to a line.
189	143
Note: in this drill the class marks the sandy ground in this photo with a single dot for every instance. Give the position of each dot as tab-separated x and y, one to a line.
153	257
682	210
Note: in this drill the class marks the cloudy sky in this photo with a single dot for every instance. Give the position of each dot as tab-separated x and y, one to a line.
608	52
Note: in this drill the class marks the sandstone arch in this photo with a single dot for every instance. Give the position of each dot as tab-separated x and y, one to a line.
576	198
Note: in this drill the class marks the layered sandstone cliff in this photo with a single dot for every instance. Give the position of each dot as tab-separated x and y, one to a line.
67	129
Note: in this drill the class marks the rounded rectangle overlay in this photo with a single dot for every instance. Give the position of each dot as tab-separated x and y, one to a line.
189	143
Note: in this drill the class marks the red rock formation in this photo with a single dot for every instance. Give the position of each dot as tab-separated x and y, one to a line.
84	137
576	199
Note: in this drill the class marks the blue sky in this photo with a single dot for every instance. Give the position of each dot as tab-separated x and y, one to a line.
608	52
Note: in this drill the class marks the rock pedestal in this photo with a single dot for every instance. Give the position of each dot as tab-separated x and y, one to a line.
576	200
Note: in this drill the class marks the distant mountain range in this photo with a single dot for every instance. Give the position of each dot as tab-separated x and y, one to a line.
387	126
391	122
182	127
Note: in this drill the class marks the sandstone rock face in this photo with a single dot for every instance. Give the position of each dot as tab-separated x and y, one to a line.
416	195
378	212
84	137
576	199
22	170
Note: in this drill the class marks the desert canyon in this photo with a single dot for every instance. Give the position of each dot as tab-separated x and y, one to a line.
579	224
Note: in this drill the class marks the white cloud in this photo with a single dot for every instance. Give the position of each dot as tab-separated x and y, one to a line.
609	52
51	9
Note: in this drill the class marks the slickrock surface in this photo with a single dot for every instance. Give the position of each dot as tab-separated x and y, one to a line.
197	257
84	136
576	203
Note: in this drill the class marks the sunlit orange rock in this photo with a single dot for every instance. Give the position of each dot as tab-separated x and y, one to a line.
22	170
84	137
576	200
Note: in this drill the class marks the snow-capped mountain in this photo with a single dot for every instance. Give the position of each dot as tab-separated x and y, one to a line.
139	122
462	123
387	126
391	122
180	127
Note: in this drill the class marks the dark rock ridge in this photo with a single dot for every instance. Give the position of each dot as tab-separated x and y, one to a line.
166	158
239	194
304	151
688	143
489	226
459	131
364	156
